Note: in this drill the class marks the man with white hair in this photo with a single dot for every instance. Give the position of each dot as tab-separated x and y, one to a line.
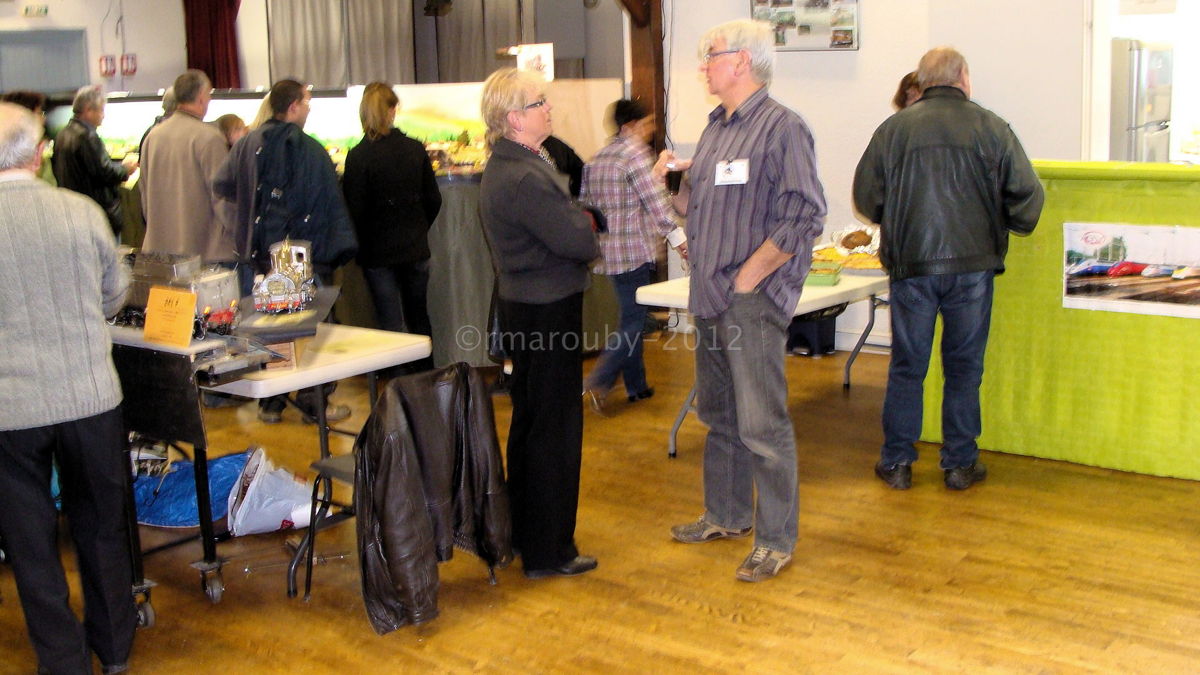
60	398
756	205
82	164
946	180
180	159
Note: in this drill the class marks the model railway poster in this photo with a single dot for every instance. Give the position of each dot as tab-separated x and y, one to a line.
1142	269
808	25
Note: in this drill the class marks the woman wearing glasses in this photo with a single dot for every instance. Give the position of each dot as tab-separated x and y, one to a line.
541	245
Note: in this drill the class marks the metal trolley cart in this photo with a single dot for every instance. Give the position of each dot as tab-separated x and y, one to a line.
162	402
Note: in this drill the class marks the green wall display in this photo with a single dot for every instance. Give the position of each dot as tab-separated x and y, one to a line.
1093	387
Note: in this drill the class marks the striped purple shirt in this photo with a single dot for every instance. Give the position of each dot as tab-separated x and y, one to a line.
638	210
782	200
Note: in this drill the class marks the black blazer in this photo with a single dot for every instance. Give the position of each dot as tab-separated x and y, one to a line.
393	198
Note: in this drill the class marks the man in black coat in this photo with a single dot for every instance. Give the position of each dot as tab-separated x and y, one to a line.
946	180
82	164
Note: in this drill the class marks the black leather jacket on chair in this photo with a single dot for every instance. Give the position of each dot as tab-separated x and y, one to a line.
82	164
946	180
429	478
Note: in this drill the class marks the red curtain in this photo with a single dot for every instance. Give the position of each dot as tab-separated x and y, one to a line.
212	40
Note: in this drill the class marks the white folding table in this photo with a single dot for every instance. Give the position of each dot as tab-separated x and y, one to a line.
673	294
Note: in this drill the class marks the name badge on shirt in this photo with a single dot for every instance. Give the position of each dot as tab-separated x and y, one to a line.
736	172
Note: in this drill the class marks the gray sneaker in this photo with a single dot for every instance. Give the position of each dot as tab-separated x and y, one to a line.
702	531
762	563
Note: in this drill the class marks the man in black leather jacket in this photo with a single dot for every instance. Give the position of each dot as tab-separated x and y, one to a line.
946	180
82	164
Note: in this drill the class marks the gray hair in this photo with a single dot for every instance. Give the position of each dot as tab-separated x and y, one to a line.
756	37
941	66
505	91
189	85
170	103
20	137
90	96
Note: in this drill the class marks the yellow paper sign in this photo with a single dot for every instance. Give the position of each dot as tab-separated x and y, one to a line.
170	313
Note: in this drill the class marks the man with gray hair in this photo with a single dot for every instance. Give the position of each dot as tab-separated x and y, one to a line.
180	159
755	207
60	276
81	162
946	180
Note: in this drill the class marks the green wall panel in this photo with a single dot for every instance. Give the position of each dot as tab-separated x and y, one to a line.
1094	387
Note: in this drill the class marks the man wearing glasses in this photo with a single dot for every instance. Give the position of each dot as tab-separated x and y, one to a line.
755	207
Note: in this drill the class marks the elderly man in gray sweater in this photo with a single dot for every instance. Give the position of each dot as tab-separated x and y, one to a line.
60	276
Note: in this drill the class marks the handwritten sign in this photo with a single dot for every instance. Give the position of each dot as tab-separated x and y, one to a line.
170	313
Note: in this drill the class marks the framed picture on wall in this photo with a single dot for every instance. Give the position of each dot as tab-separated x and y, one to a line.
810	25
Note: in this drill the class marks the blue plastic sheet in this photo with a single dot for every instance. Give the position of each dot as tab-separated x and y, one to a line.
170	500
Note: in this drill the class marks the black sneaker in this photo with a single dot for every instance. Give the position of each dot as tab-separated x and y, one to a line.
897	476
641	395
963	477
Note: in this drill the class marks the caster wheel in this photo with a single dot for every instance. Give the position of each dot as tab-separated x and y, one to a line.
145	615
214	587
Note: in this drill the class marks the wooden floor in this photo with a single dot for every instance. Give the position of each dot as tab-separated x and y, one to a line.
1046	567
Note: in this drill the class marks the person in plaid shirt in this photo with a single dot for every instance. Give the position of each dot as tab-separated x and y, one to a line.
620	183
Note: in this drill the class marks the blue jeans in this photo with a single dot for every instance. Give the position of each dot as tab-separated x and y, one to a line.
741	395
623	354
965	303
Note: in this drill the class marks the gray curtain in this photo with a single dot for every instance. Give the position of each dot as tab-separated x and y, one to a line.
469	35
381	41
308	42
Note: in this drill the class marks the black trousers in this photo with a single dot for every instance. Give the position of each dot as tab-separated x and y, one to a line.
545	439
92	463
399	293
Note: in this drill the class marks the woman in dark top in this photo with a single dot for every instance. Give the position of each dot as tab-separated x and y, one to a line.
541	244
393	199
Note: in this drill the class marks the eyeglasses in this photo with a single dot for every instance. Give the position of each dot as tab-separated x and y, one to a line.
712	55
536	104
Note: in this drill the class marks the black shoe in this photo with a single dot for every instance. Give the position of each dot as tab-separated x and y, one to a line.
963	477
577	565
898	477
641	395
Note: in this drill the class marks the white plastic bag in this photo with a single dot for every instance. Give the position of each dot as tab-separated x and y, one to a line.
266	499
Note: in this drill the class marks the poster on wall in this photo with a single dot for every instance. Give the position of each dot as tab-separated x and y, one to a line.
1140	269
809	25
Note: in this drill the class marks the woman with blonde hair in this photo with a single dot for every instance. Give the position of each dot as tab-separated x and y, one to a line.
541	244
393	199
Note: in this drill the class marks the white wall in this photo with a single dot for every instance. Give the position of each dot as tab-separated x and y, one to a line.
153	31
1026	58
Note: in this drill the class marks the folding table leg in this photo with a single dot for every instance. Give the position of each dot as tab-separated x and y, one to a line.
683	411
210	566
875	303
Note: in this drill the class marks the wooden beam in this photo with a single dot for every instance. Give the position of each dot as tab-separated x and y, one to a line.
639	11
646	52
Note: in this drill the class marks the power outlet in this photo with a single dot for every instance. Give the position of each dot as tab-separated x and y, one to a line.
35	11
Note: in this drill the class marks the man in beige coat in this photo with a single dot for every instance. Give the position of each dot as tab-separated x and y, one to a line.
179	159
